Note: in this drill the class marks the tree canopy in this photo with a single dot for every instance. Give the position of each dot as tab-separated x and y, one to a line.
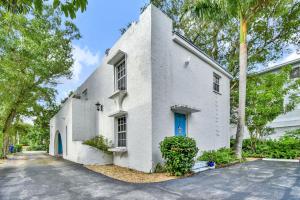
274	32
35	52
268	95
69	7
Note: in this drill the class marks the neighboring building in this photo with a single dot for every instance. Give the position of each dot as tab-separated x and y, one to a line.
285	122
151	84
290	120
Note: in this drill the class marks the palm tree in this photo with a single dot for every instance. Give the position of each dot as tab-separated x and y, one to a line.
245	11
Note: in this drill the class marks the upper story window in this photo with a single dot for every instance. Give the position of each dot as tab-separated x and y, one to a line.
85	94
216	83
295	73
120	75
121	133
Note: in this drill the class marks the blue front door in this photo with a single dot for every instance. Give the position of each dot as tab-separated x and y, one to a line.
180	124
60	147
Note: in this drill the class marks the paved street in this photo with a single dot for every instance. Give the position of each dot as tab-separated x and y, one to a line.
38	176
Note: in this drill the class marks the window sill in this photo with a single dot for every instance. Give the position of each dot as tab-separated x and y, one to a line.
118	93
118	149
217	92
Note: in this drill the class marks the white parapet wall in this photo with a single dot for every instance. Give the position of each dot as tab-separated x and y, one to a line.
88	155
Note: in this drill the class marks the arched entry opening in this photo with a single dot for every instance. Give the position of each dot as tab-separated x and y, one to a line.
58	144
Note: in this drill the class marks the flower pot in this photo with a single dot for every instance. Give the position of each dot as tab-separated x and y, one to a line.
211	163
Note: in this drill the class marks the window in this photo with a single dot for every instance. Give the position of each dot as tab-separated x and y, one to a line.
295	73
121	134
216	83
85	94
120	75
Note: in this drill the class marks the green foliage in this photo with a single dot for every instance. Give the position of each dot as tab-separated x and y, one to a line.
179	153
18	148
38	147
293	134
284	148
69	7
265	99
100	143
273	32
36	51
287	147
221	156
160	168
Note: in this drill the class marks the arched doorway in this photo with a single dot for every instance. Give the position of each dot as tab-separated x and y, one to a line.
58	144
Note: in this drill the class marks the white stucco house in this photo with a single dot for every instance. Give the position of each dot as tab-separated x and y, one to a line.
151	84
287	121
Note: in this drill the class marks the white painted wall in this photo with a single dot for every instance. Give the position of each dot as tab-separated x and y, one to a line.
74	150
136	43
174	83
156	80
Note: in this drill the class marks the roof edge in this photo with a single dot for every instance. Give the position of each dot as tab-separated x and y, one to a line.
278	66
206	58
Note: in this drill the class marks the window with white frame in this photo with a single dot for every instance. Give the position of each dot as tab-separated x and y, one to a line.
216	83
120	75
121	131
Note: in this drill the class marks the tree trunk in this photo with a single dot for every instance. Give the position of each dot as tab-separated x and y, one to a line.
242	88
6	128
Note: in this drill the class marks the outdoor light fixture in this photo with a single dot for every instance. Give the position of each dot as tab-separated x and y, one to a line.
99	106
187	62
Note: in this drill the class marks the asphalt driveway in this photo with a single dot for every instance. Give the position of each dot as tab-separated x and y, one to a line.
38	176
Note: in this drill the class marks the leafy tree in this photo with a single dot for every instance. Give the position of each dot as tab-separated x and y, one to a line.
69	7
266	95
35	52
39	135
272	35
237	32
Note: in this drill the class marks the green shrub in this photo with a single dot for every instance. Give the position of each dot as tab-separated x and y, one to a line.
159	168
221	156
287	147
17	148
100	143
179	153
293	134
37	147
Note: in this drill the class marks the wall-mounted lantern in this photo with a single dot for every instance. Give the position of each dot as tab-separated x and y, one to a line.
99	106
187	62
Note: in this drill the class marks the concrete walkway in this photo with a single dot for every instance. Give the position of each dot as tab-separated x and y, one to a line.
38	176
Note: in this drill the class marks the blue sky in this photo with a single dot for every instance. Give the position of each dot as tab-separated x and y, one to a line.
99	26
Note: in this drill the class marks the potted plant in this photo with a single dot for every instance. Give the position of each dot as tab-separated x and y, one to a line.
211	162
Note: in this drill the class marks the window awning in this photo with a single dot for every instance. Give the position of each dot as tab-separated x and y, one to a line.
184	109
116	57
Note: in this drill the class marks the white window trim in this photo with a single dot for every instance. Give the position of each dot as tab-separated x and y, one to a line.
218	77
120	132
123	60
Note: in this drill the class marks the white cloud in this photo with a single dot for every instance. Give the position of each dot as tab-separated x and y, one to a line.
85	62
83	57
